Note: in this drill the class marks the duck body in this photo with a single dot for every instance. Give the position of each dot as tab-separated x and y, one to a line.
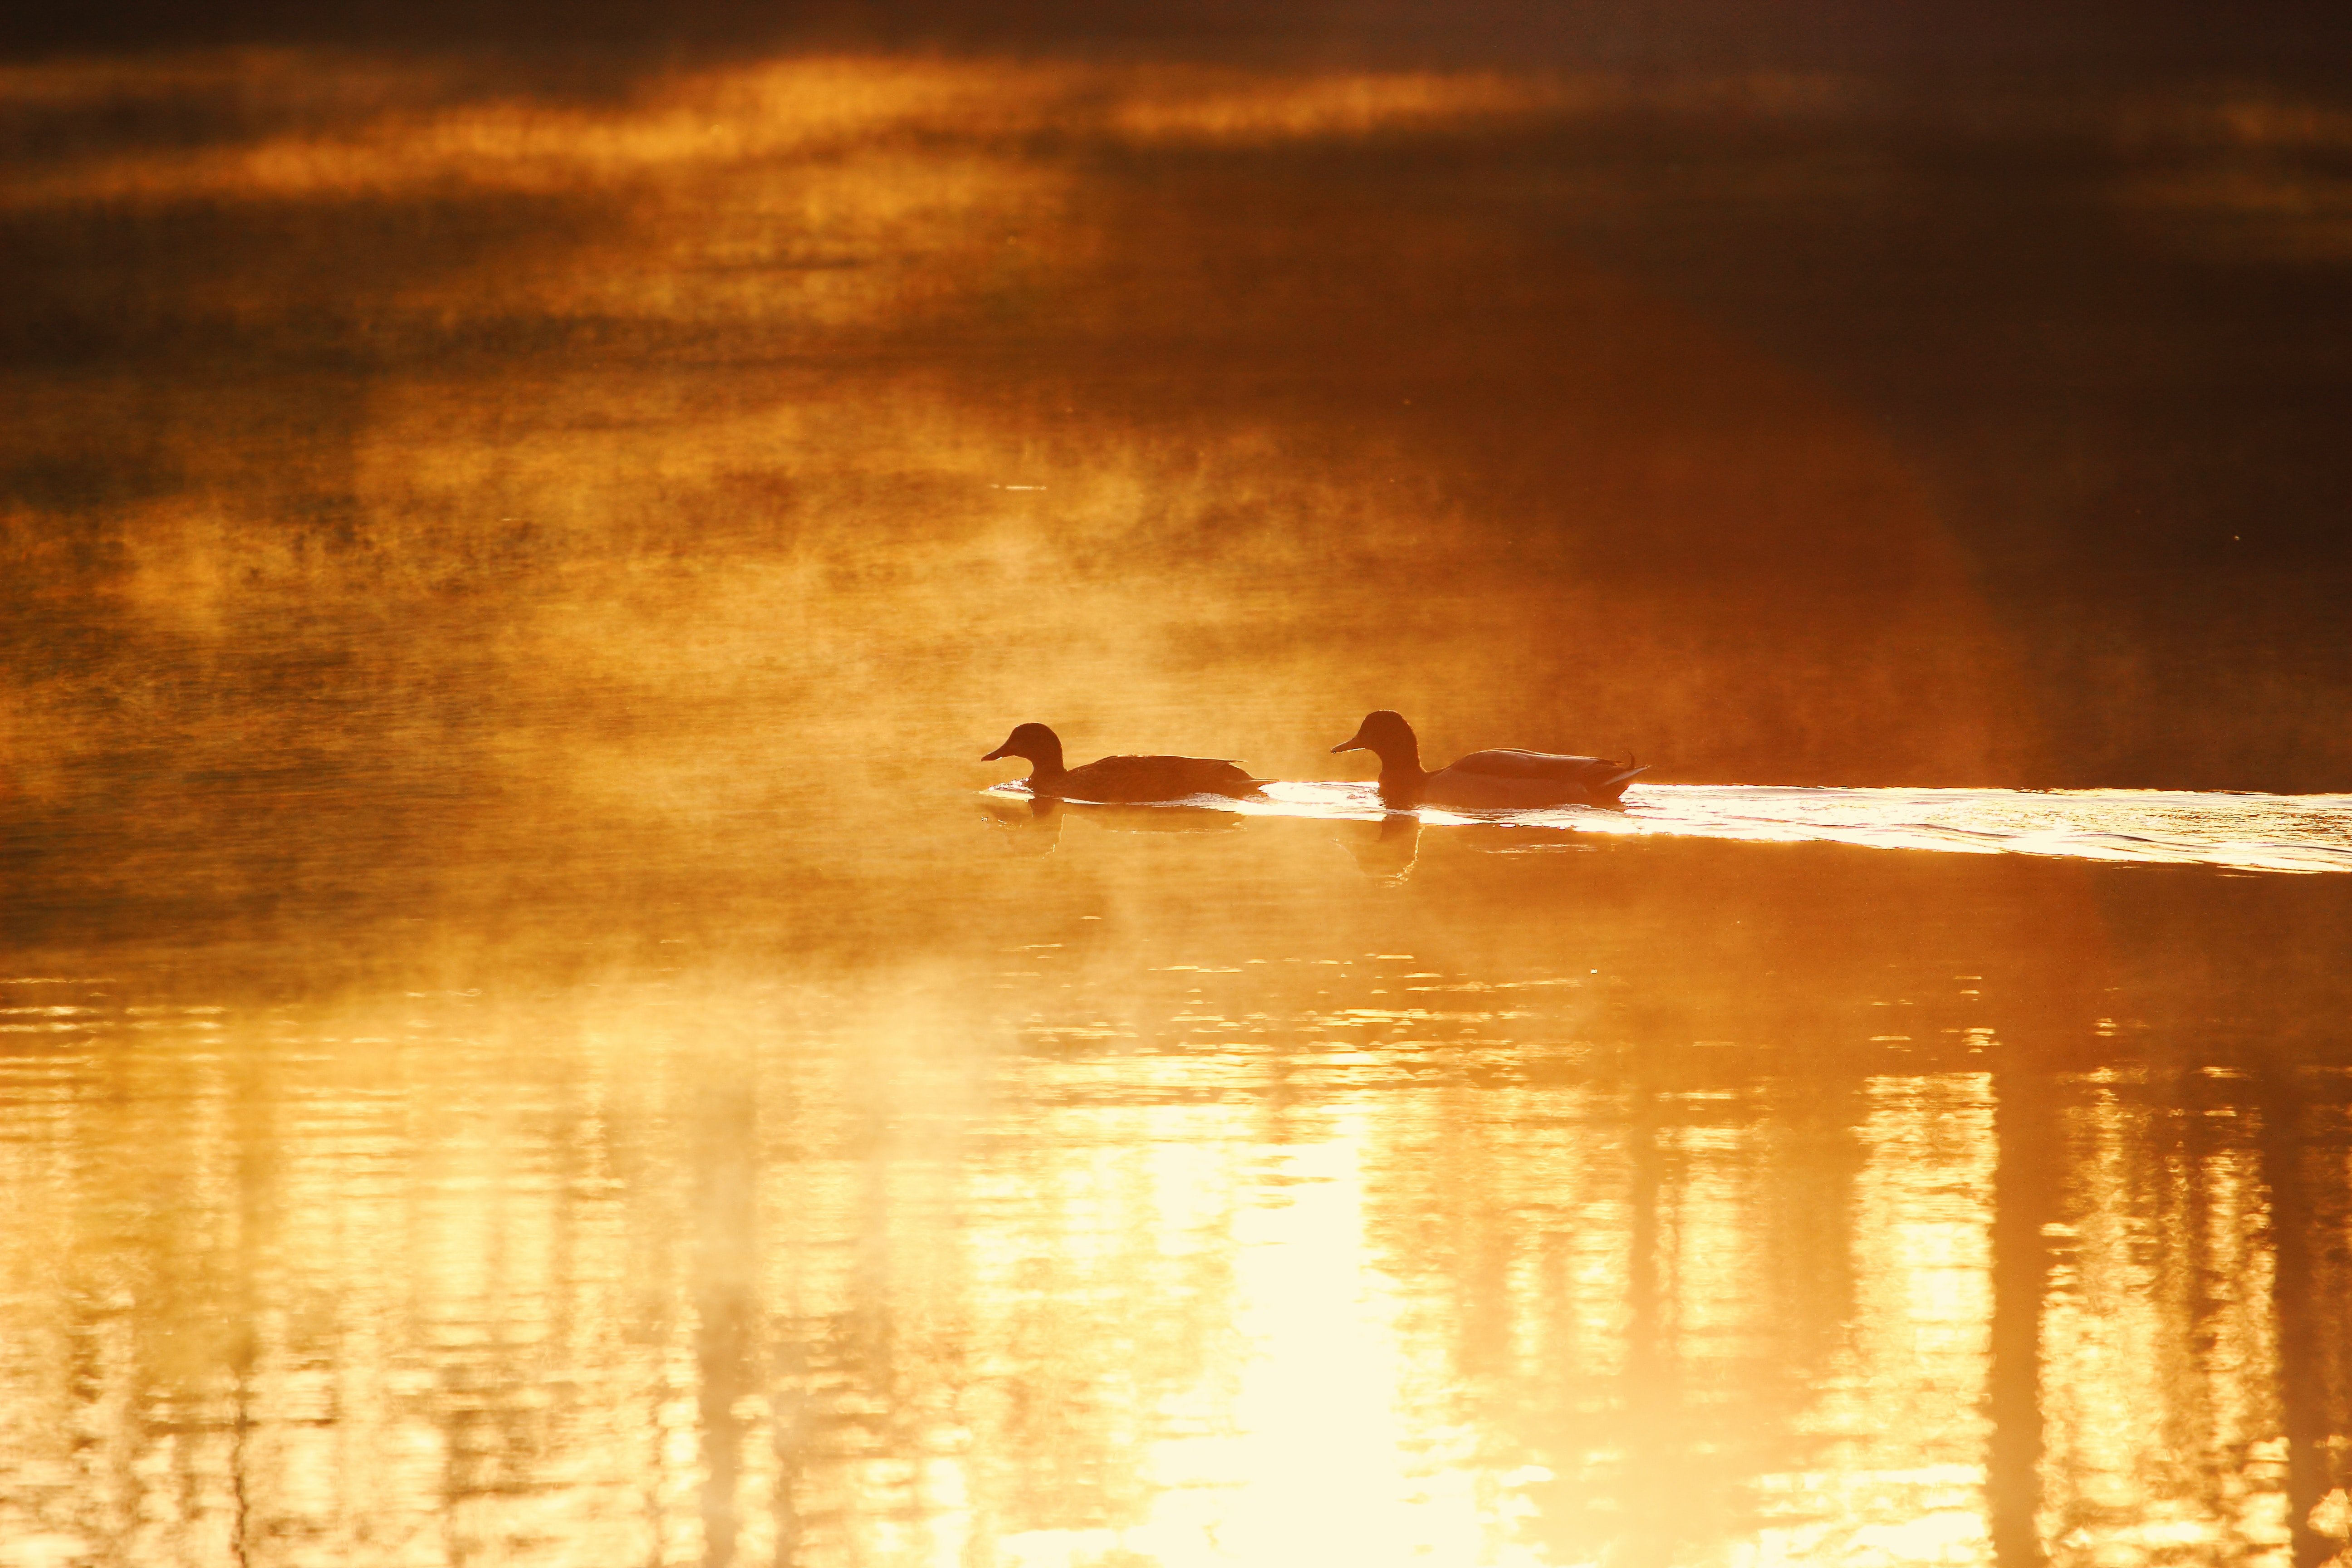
1132	781
1505	780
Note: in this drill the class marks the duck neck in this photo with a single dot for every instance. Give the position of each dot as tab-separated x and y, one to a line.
1401	767
1045	763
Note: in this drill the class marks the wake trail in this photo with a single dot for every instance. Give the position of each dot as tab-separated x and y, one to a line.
2303	834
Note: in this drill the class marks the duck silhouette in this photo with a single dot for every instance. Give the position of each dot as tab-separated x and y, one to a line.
1484	781
1127	780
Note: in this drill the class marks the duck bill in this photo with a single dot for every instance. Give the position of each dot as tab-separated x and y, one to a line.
994	754
1354	742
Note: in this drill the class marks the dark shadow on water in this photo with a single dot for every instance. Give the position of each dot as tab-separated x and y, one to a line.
2025	1200
2308	1222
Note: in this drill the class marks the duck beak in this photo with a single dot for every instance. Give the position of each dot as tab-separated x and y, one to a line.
1354	742
996	753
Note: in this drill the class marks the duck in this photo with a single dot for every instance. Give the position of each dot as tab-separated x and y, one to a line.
1127	780
1484	781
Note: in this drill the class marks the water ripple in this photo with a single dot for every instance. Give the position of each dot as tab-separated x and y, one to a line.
2297	833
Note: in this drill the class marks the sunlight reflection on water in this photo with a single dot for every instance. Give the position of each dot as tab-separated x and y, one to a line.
518	1045
2244	832
1205	1191
1531	1211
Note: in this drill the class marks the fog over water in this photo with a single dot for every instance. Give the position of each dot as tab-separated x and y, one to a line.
529	1034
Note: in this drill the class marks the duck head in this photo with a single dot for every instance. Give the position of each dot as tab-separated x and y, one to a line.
1387	736
1033	741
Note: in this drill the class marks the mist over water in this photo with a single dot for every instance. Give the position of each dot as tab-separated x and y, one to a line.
526	1033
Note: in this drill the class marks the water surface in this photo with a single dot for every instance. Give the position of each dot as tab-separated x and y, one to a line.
2243	831
528	1036
1197	1187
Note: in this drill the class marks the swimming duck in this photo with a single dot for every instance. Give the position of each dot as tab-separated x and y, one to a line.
1132	780
1484	781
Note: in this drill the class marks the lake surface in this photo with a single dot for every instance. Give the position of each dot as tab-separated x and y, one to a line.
1151	1186
529	1036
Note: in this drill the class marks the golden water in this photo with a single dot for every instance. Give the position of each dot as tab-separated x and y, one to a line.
1201	1196
526	1037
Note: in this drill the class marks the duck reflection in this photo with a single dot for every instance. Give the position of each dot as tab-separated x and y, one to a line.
1387	852
1510	838
1036	821
1157	819
1033	822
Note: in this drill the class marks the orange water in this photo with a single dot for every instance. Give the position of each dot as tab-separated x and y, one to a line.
528	1036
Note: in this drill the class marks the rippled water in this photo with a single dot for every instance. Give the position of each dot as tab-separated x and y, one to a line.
2241	831
1210	1187
528	1036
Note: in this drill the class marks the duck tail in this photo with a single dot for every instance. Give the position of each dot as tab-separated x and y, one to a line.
1612	788
1236	783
